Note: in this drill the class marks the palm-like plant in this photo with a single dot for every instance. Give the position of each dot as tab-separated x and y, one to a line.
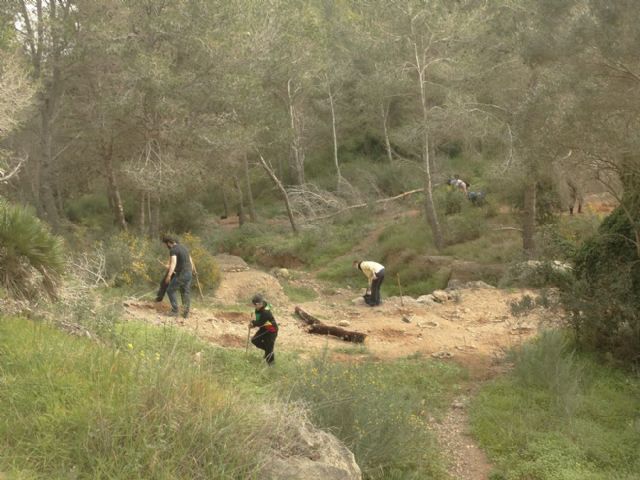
31	257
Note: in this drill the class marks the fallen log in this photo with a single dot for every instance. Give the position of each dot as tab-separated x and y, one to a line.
320	328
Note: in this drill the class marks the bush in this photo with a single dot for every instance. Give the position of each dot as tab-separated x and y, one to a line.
134	260
559	415
464	227
379	411
607	267
208	271
31	258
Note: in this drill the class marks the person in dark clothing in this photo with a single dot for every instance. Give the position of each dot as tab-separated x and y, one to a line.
265	337
179	276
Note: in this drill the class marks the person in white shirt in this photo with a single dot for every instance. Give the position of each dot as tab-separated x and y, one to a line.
459	184
375	275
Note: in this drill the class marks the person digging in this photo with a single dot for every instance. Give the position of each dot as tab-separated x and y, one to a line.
178	277
265	337
375	275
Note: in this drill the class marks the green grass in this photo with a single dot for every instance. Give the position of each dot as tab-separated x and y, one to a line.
380	410
142	411
299	293
138	405
560	416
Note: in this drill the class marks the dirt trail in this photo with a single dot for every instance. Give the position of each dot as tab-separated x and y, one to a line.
474	328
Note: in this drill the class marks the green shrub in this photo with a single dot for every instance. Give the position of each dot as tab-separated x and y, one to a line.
134	260
464	227
90	209
208	271
607	266
31	258
379	411
559	415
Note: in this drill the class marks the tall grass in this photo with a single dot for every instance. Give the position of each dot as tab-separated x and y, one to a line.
77	410
380	410
140	404
560	416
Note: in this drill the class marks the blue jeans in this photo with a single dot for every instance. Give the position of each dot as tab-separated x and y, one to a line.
180	282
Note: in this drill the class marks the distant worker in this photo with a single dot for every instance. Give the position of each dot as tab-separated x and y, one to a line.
375	275
476	198
459	184
178	276
265	337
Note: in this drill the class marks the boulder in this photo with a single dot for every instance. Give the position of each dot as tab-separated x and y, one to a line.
426	299
282	273
440	296
304	452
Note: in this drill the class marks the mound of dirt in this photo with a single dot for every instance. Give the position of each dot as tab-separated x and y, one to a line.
240	286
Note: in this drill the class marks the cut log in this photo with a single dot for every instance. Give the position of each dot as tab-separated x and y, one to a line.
320	328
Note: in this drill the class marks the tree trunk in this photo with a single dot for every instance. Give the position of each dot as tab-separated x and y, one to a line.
154	219
316	326
48	206
430	210
296	133
529	220
225	201
283	191
335	136
114	191
252	212
143	208
241	219
387	142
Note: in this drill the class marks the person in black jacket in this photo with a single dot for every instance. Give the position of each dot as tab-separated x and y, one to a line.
178	276
265	337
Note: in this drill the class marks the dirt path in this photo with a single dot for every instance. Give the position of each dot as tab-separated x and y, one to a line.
473	327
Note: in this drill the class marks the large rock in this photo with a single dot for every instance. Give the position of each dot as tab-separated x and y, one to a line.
440	296
304	452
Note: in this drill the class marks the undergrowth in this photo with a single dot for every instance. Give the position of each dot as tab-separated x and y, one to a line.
152	402
560	415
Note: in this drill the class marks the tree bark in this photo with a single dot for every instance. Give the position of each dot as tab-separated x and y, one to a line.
143	208
114	191
252	212
429	205
241	219
317	327
225	201
296	133
154	219
529	220
387	142
282	190
335	136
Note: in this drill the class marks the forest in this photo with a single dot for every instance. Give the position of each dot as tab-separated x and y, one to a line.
298	136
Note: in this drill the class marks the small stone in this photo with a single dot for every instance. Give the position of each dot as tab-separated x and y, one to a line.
344	323
406	319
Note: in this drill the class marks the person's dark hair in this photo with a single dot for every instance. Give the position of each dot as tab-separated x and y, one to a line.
356	263
257	299
169	239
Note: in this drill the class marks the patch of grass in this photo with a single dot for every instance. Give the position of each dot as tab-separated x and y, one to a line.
137	412
380	411
560	416
298	293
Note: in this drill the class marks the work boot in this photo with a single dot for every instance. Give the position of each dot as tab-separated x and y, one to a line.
172	314
185	314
